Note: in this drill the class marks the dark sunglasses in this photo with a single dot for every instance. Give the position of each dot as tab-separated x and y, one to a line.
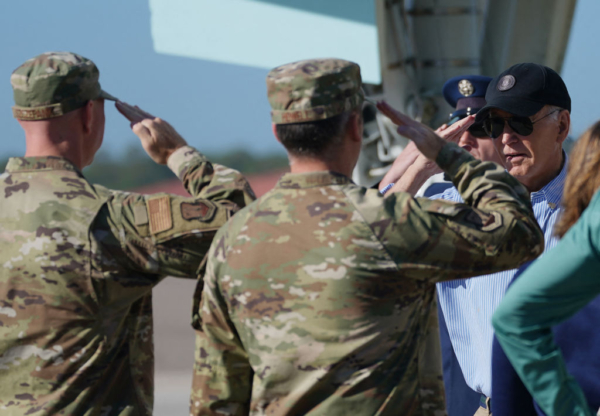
523	126
476	129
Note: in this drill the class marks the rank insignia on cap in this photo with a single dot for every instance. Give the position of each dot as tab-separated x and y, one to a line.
465	87
506	83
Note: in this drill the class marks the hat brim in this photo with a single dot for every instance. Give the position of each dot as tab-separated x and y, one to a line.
107	96
513	105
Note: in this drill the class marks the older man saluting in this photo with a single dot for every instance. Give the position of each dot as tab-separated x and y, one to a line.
528	117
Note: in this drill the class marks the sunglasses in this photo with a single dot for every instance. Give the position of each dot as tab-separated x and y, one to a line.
476	129
523	126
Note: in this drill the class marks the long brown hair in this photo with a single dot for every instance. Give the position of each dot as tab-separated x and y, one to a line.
583	178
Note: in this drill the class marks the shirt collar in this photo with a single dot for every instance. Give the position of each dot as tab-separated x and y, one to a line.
552	192
45	163
312	179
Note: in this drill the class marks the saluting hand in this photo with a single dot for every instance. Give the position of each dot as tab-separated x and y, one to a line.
159	139
427	141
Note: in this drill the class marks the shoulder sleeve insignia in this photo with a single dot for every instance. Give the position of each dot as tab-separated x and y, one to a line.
199	210
159	212
494	221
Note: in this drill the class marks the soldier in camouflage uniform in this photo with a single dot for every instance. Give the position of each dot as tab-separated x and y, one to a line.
317	295
79	261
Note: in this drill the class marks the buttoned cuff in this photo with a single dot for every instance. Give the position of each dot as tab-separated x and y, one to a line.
182	158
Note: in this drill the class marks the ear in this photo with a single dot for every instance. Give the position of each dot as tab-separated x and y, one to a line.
355	126
564	125
274	129
87	116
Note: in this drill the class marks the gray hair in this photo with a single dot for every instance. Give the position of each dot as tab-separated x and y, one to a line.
555	110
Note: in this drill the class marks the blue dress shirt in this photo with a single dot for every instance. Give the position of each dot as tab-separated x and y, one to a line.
468	304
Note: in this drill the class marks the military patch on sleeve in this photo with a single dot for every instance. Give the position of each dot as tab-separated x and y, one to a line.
159	211
199	210
493	222
485	222
140	215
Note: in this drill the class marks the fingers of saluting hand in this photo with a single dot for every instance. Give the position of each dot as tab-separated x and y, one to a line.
396	116
141	130
145	113
455	131
441	128
132	113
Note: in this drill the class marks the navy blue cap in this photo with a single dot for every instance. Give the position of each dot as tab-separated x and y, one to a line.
523	89
465	86
466	93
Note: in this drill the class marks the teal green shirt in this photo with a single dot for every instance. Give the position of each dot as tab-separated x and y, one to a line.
552	290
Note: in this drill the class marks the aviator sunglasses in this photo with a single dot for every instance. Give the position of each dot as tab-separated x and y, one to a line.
523	126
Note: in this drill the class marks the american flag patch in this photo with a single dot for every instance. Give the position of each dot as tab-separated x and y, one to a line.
159	213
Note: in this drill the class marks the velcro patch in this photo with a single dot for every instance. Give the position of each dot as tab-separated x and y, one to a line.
199	210
140	215
37	113
485	222
159	211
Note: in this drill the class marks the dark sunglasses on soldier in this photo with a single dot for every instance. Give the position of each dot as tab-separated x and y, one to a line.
476	129
523	126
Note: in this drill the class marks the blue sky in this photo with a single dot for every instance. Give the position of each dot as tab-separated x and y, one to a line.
214	106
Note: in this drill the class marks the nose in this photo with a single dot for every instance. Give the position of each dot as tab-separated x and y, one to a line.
508	135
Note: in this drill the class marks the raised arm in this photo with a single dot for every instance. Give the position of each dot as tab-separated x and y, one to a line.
167	234
494	229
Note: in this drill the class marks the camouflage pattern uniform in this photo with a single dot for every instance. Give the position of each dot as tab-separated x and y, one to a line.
317	296
78	263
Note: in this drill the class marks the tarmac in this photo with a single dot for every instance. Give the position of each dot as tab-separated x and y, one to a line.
173	346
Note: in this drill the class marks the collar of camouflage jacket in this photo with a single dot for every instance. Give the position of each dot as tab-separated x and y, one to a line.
23	164
312	179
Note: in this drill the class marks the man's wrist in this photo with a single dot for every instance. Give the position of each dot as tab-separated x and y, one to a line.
451	158
182	157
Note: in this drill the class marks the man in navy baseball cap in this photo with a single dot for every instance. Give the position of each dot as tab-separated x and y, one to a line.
527	118
527	115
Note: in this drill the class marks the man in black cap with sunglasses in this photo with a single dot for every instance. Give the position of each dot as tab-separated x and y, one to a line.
527	118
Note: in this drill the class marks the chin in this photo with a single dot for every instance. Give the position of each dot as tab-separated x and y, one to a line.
517	171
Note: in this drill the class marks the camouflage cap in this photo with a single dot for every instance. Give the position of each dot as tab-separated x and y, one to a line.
313	89
54	83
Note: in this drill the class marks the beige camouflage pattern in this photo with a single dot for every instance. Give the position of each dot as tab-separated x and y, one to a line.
78	265
319	297
313	89
54	83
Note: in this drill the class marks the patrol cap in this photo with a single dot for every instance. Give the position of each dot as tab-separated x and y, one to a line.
314	89
523	89
53	84
466	94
